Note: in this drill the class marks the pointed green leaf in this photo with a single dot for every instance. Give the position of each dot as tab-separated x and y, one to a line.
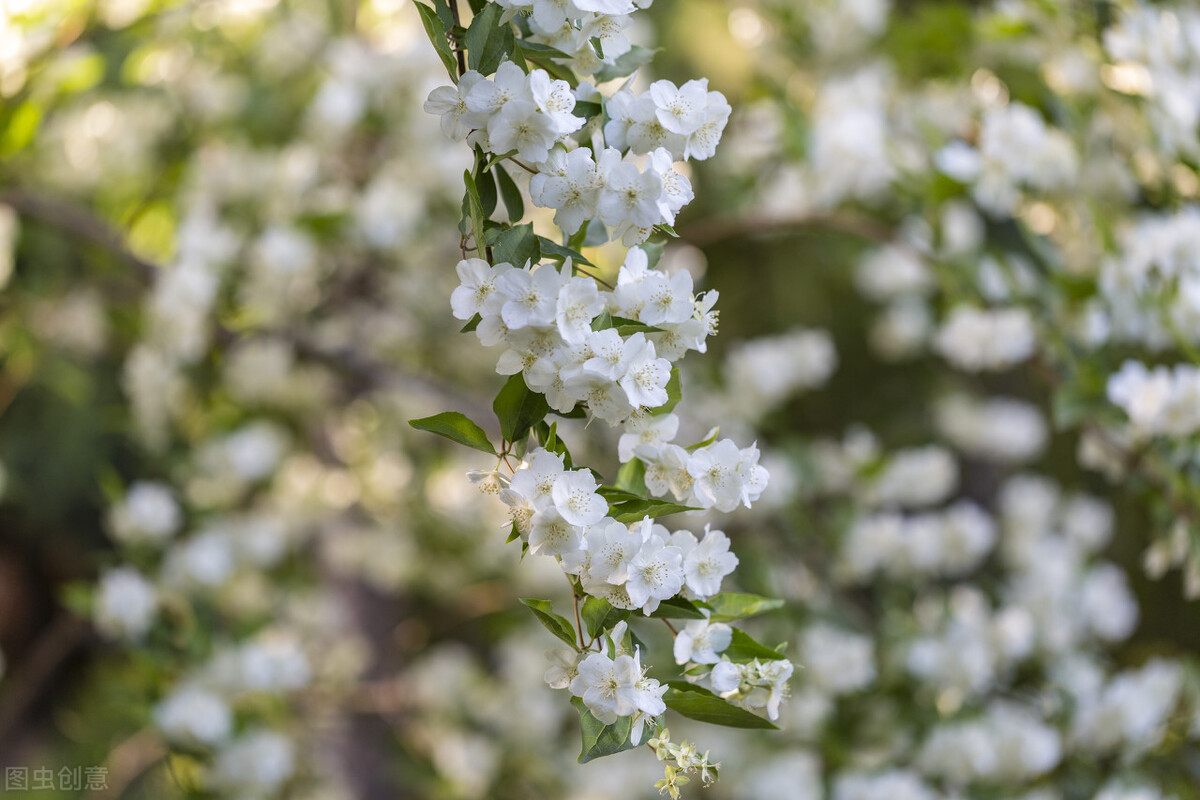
475	211
487	41
674	394
601	740
729	606
517	246
550	621
456	427
625	65
437	34
742	648
599	616
518	408
556	252
634	510
698	703
677	608
510	193
632	477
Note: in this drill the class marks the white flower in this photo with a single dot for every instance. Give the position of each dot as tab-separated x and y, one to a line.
257	764
193	715
477	293
148	514
726	677
655	573
574	495
630	196
125	603
702	641
450	102
611	546
578	304
564	666
646	376
531	296
554	99
520	126
490	96
665	299
569	183
680	109
551	535
708	564
646	430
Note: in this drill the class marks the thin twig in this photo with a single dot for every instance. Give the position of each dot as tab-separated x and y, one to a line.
458	51
524	166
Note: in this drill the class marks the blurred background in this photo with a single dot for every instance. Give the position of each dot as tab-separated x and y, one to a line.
227	240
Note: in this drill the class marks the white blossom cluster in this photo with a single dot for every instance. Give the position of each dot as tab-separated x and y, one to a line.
528	115
543	318
948	542
1158	51
977	340
1016	149
998	429
1163	401
609	353
572	27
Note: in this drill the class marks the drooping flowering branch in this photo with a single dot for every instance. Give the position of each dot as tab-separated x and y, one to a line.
577	346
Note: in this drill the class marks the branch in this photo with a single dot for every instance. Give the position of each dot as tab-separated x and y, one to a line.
79	222
715	229
27	684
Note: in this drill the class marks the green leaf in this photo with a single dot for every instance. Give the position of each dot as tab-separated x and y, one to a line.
674	394
513	534
729	606
542	50
456	427
475	211
626	327
626	64
742	648
677	608
510	193
654	251
698	703
601	740
551	621
548	438
444	13
623	326
486	183
599	616
705	442
487	41
632	477
541	56
472	324
667	229
617	495
556	252
518	408
635	510
586	110
517	245
437	34
496	159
